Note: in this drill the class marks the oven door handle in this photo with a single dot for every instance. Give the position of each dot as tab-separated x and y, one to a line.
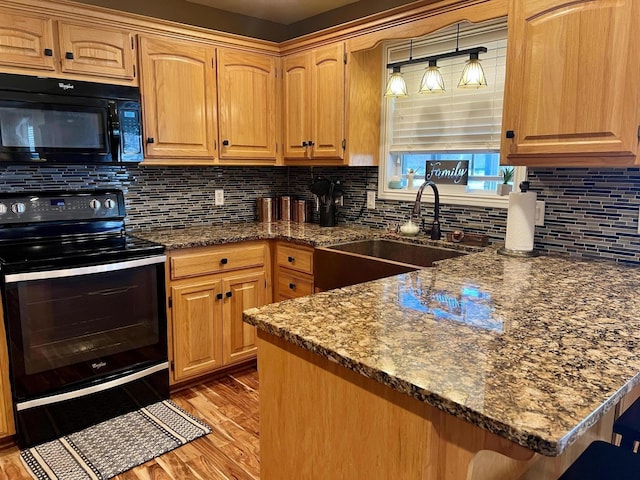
73	272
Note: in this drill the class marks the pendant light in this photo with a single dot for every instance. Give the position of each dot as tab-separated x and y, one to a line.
396	86
473	74
432	81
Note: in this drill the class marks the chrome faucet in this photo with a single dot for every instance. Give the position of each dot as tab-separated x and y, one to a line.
435	226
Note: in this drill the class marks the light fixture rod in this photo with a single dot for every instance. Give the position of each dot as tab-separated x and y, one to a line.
440	56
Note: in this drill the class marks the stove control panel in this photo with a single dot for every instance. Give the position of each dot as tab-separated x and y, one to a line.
61	206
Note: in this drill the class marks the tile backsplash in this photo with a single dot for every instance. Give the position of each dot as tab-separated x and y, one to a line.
589	212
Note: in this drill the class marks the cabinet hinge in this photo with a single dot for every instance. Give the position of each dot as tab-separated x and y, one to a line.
639	132
276	147
276	72
132	43
172	365
265	284
170	301
345	58
344	143
134	71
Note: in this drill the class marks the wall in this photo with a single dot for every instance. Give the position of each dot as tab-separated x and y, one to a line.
589	212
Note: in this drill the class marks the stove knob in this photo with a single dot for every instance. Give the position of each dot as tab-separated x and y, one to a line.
3	209
109	204
18	208
95	204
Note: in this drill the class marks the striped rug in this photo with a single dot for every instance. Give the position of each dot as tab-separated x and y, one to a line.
114	446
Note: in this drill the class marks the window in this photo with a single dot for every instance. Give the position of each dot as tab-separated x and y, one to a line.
460	124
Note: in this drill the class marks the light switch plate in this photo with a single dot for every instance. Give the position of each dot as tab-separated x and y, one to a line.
539	213
219	197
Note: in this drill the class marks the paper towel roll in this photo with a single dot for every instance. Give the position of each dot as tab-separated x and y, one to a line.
521	219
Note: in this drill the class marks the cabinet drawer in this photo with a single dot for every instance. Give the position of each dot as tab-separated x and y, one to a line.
296	258
293	285
215	260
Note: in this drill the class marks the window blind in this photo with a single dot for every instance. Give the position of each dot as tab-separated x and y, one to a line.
459	119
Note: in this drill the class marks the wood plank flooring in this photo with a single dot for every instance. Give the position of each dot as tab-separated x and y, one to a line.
229	404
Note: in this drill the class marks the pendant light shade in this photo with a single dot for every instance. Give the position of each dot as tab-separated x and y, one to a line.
432	81
473	74
396	86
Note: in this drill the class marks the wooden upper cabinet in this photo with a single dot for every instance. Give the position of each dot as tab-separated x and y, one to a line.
571	95
327	101
178	94
26	41
247	106
296	71
314	104
97	51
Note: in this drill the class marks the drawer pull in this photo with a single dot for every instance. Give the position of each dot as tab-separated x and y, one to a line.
48	52
229	294
292	286
219	296
68	55
291	259
224	261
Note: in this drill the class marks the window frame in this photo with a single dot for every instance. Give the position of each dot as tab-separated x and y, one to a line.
447	196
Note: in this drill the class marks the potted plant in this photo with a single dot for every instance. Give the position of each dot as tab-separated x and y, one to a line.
505	187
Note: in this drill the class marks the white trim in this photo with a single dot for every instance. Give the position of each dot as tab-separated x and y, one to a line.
61	397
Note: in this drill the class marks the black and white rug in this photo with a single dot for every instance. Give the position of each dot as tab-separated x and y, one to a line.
114	446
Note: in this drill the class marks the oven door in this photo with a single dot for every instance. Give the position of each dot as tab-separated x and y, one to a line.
76	326
54	129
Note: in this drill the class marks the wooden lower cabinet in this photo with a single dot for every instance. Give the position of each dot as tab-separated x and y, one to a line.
206	327
293	271
7	426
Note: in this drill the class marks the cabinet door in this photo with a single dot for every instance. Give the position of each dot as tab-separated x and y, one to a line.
327	101
242	291
247	105
571	94
297	83
6	408
178	95
96	51
26	41
197	329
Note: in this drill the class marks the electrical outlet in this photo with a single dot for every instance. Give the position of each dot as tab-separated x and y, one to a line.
539	213
219	197
340	201
371	199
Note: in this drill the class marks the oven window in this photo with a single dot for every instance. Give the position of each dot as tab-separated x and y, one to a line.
53	127
76	319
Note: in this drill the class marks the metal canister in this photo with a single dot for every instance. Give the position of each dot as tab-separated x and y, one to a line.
285	209
302	211
266	209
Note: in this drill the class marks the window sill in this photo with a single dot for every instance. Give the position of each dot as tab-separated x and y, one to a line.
469	199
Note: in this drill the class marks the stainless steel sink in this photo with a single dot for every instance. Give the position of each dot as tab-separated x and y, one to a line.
364	260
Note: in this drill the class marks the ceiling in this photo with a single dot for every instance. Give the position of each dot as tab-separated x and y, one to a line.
284	12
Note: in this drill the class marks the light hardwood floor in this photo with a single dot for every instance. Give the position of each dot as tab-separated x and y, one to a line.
229	404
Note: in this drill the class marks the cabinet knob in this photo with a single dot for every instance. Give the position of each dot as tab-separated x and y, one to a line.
225	143
305	144
510	134
68	55
48	52
291	259
311	144
229	294
151	140
219	296
292	286
224	261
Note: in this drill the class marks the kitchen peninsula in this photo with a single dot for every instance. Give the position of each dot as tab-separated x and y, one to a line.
430	373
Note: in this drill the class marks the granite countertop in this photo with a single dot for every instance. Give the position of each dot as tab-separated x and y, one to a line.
303	233
533	349
309	234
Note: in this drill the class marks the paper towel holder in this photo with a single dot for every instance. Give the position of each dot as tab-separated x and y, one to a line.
518	253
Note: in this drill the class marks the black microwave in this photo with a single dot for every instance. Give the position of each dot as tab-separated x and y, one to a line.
59	121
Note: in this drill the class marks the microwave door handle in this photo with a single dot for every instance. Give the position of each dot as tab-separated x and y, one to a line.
114	131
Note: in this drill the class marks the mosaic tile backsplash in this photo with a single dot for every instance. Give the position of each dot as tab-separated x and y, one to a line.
589	212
